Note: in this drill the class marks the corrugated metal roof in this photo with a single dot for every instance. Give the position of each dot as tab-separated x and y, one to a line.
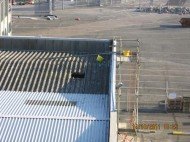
84	121
30	68
53	130
87	105
54	44
37	71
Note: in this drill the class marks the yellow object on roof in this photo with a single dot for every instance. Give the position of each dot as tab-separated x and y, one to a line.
99	59
127	53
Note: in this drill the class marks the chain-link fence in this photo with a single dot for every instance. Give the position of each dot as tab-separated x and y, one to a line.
158	86
45	6
127	76
29	7
63	4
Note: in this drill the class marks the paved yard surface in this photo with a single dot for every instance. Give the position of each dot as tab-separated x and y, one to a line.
165	56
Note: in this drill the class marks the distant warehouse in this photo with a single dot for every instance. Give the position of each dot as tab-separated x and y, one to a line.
5	17
57	90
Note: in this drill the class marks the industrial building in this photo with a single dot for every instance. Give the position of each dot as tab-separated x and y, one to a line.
5	17
55	90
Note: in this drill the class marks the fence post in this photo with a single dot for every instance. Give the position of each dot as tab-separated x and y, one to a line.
166	96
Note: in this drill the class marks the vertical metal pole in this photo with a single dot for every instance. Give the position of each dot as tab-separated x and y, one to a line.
62	5
117	97
53	5
38	8
137	110
118	94
166	96
120	62
117	109
137	96
9	19
50	6
88	3
137	89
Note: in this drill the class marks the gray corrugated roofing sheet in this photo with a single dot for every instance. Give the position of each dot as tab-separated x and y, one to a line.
85	120
53	130
45	65
55	44
86	105
36	71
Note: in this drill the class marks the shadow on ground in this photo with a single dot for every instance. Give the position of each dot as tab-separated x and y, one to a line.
171	26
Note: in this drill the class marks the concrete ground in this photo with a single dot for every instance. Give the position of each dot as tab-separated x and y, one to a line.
165	56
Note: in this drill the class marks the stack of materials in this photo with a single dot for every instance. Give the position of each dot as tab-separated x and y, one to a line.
175	103
185	22
186	104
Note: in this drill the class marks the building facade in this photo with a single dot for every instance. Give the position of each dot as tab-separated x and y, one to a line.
5	17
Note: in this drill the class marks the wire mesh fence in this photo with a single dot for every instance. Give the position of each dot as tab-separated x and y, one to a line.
61	4
161	74
40	7
29	7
